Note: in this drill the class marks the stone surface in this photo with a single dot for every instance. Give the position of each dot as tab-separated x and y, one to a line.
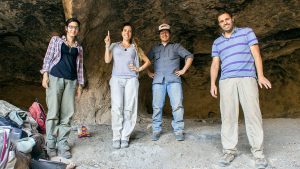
26	25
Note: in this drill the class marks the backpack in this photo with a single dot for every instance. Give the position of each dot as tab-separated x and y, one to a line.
5	145
38	114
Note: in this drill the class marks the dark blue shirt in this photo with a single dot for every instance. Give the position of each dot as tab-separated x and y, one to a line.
66	67
166	60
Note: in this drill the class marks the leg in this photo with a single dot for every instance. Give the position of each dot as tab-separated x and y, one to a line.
130	107
53	99
67	111
176	97
249	97
159	95
229	105
117	106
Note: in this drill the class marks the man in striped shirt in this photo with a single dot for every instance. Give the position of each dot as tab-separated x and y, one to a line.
241	68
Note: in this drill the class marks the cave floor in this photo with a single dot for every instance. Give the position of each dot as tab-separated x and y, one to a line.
200	150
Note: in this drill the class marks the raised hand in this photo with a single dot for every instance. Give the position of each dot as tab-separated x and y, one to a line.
107	40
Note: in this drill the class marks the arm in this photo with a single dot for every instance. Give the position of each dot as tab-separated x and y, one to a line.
108	53
150	73
145	60
80	74
150	70
182	52
262	80
47	60
146	63
187	65
79	90
49	54
45	80
214	70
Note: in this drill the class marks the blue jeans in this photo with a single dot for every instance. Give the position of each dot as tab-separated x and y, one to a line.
175	94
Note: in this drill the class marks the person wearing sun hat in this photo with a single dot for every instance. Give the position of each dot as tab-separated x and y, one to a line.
165	57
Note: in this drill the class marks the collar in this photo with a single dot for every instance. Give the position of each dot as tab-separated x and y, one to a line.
120	43
167	43
235	29
64	38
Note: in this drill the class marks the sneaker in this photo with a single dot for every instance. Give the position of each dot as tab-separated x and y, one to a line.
226	159
124	144
155	136
51	152
65	153
179	136
261	163
116	144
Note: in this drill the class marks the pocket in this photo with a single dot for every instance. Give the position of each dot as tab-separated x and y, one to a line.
174	56
73	84
156	55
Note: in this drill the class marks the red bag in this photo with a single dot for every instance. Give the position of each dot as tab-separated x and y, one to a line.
38	114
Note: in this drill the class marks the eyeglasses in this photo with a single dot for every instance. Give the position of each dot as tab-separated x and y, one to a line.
73	27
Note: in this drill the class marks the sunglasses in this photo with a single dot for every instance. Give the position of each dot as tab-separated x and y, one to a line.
73	27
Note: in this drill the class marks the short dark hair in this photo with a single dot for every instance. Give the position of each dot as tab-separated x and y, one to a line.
224	12
68	21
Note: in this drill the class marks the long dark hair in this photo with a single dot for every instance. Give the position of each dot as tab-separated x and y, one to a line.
132	30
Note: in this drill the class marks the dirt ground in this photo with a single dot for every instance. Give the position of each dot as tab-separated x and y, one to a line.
200	150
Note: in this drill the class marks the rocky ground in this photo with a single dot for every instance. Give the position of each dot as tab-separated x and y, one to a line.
200	150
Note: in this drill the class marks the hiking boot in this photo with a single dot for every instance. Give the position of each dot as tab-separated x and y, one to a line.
65	153
116	144
261	163
179	136
51	152
226	159
155	136
124	144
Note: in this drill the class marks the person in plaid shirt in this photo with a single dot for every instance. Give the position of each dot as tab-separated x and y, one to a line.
62	78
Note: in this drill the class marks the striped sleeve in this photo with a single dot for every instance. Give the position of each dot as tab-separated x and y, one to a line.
80	75
214	50
252	40
49	54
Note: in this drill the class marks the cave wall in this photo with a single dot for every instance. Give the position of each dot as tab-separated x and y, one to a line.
193	22
25	29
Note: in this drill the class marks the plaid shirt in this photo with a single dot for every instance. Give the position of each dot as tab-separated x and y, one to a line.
53	56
